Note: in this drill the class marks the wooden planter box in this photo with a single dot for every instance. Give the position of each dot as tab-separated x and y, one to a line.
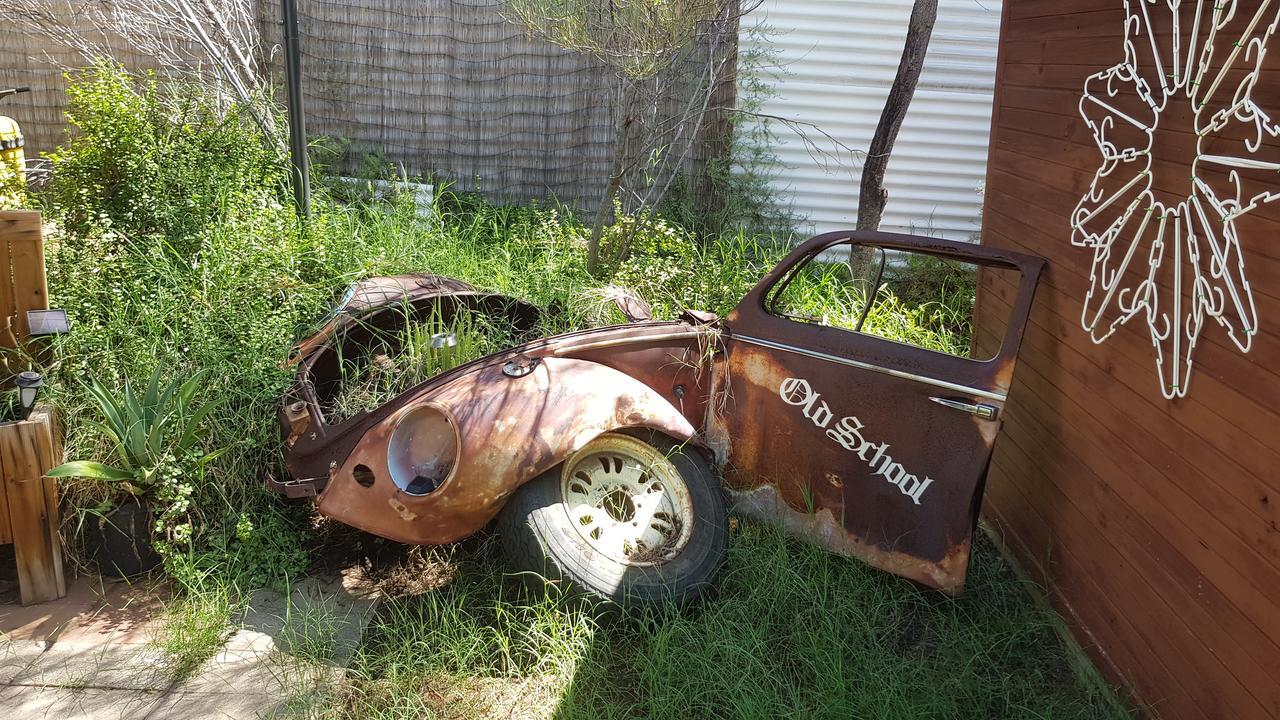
29	504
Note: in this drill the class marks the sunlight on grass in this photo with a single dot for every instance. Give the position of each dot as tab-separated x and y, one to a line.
393	361
178	250
792	631
196	626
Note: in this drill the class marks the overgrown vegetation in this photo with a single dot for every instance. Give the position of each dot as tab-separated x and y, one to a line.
792	631
178	257
160	267
419	348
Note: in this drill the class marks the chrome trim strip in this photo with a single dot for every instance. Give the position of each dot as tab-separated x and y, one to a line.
874	368
633	340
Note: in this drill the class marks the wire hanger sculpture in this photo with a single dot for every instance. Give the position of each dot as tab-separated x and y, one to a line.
1165	239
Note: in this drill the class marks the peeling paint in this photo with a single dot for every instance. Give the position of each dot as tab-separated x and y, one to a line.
821	528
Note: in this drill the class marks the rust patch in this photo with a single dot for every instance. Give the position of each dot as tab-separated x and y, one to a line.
821	528
298	420
404	512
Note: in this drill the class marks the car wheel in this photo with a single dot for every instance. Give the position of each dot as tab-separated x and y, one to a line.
637	520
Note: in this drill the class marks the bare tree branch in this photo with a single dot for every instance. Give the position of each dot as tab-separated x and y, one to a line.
182	38
823	157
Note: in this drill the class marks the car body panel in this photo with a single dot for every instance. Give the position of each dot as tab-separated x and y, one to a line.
898	485
858	455
511	429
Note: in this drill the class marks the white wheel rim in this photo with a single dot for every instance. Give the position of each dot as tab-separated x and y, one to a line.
627	501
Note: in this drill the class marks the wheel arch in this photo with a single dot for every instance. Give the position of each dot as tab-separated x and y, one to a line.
510	431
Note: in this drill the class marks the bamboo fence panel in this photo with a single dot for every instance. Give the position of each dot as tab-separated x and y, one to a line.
446	89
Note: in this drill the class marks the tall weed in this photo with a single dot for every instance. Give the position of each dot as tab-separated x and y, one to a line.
175	252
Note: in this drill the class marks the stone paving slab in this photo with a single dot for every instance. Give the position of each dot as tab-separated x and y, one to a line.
53	703
120	667
91	655
45	621
322	617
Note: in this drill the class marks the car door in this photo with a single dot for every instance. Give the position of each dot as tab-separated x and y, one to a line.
852	408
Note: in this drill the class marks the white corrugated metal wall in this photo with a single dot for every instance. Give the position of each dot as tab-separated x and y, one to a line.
837	61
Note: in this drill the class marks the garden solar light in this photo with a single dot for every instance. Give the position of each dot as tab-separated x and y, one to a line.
48	322
443	341
29	383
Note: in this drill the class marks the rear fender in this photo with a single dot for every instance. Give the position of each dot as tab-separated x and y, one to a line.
509	431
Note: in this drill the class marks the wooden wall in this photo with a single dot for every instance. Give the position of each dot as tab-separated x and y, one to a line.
1153	523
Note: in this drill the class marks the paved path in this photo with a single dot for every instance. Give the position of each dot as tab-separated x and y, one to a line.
90	654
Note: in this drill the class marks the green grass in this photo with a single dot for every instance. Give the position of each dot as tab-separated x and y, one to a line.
196	625
391	361
919	300
170	262
790	631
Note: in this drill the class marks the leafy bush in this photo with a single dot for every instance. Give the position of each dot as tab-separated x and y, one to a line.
156	158
176	254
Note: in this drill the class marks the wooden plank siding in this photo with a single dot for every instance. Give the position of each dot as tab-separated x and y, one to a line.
1152	523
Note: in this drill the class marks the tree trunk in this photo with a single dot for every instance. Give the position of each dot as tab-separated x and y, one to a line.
872	196
616	174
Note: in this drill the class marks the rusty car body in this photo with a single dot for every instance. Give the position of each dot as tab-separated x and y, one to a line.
870	447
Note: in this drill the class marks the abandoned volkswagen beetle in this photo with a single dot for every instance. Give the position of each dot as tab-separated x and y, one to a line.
610	456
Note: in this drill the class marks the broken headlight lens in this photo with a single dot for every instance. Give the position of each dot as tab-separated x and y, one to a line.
423	450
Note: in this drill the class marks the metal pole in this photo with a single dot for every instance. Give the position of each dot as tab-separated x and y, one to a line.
297	123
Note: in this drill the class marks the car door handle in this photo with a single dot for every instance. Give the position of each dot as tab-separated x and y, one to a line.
982	410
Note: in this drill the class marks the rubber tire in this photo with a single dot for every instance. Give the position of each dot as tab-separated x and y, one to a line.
539	540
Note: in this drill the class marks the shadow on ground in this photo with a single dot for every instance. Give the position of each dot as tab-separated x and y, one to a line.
790	631
107	650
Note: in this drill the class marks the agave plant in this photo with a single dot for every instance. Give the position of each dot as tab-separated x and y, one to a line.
144	429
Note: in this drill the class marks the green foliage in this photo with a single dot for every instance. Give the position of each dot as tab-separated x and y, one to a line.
793	631
144	430
153	158
674	276
157	441
739	197
396	360
196	625
920	301
10	408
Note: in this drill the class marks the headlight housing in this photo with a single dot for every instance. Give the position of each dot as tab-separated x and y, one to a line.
423	450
